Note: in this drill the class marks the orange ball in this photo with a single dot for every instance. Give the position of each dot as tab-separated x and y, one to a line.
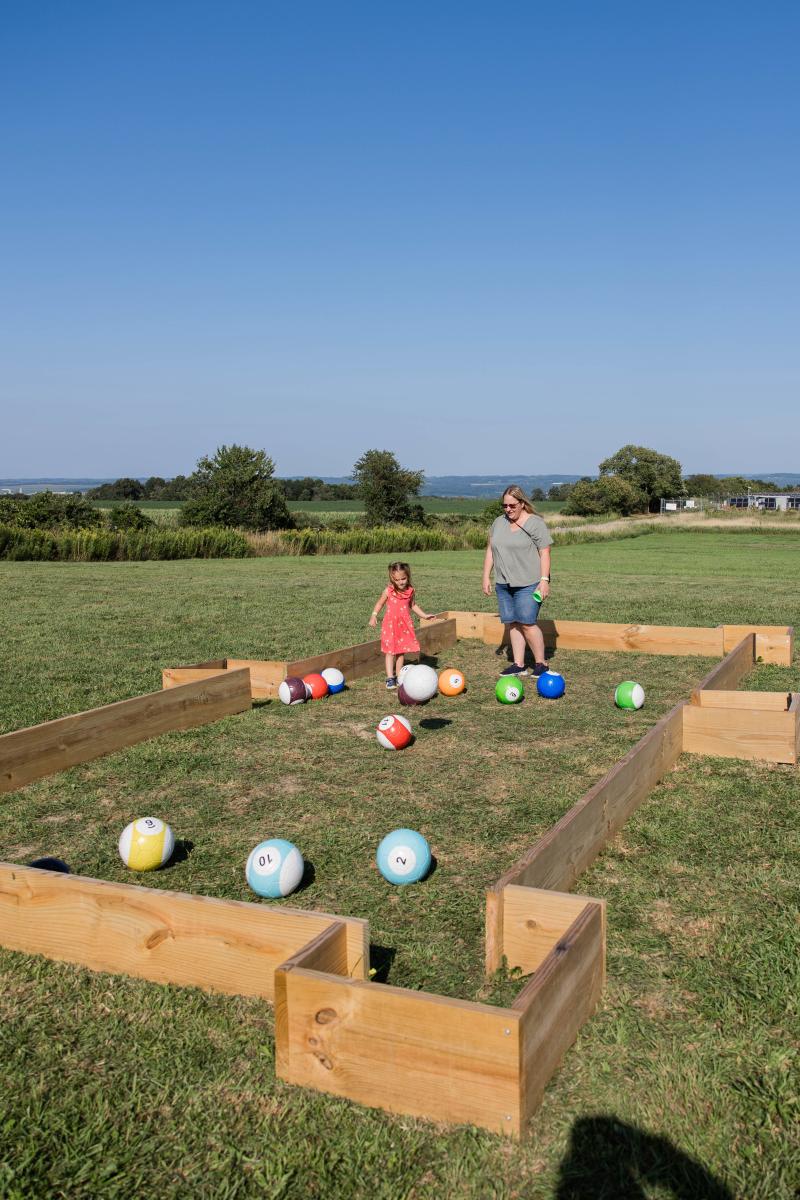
451	682
317	685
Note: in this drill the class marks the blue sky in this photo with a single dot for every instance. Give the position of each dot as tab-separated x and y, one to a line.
506	237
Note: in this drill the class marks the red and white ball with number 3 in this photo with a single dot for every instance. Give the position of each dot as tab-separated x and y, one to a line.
394	733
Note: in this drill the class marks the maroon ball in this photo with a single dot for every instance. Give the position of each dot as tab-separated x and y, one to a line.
404	698
293	690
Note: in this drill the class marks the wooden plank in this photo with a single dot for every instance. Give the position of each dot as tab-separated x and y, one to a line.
406	1052
266	675
600	635
753	734
768	701
734	666
794	709
534	921
367	658
573	843
343	659
175	676
468	624
560	996
774	643
168	937
29	754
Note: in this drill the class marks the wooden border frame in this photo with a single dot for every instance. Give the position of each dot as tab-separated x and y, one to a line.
404	1051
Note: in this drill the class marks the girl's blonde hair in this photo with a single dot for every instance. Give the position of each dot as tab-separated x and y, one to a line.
516	491
400	566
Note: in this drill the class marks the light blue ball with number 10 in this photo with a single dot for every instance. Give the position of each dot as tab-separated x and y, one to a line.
404	856
274	868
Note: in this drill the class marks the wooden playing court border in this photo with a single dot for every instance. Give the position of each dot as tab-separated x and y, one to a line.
405	1051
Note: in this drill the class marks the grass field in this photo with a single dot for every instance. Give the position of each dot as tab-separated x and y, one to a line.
683	1084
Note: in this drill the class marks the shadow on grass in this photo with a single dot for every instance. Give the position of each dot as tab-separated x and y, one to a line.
435	722
610	1160
183	848
309	875
380	961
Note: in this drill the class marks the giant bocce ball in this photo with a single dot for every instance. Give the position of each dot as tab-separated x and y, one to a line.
317	685
509	689
551	685
394	733
451	682
334	679
421	682
403	856
146	844
629	695
293	690
403	696
274	868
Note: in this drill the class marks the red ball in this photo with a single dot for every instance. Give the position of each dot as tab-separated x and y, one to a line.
317	685
394	733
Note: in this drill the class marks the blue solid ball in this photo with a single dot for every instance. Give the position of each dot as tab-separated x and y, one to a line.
274	868
551	685
403	856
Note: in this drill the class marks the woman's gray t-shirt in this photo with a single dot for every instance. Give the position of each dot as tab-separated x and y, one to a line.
515	552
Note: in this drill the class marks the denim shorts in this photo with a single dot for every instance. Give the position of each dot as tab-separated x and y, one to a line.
517	603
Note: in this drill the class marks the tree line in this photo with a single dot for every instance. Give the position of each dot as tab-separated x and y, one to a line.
237	487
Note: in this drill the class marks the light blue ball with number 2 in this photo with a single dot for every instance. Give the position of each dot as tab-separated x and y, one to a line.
274	868
404	856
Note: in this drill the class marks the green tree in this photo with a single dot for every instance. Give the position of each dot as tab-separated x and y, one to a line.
560	491
608	494
386	489
655	475
49	510
236	488
702	485
127	515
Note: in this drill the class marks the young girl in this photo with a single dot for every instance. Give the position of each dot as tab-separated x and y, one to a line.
397	631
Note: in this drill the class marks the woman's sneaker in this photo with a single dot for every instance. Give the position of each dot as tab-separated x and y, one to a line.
391	683
513	669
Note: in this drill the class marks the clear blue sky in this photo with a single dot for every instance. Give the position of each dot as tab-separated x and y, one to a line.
506	237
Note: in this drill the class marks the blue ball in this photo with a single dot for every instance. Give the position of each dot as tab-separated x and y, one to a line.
403	856
551	685
274	868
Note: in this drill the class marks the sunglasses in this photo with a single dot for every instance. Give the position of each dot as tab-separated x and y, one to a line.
515	504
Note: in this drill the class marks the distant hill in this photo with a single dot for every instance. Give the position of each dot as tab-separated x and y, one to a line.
435	485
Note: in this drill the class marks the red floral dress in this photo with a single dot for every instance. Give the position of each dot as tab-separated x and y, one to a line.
397	631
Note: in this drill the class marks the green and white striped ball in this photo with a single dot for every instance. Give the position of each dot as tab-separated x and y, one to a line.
629	695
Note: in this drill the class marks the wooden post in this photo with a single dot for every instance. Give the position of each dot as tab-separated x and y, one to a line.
734	666
751	733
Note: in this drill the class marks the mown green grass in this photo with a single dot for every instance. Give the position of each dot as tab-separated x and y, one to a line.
685	1076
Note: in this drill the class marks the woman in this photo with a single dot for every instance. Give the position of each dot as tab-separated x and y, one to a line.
519	550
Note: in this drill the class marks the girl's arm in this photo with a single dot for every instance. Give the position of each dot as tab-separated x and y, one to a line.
426	616
381	601
488	563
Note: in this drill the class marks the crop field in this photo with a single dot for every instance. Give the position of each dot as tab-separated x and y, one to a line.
684	1082
464	506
